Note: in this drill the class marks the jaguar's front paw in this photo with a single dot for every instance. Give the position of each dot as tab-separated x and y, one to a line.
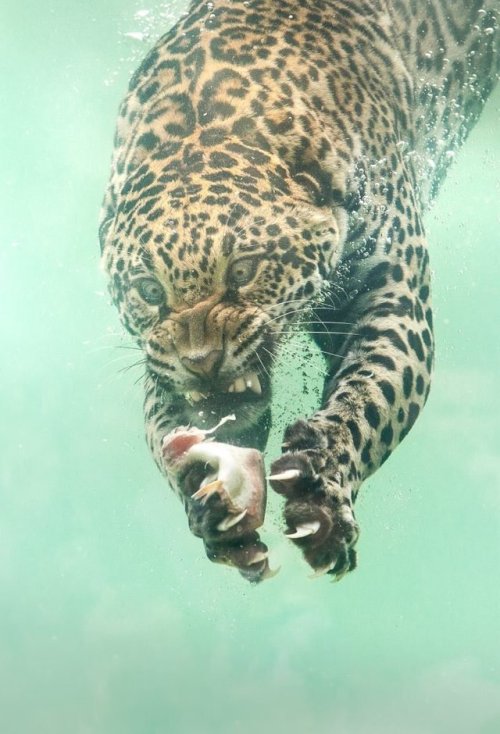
229	534
318	512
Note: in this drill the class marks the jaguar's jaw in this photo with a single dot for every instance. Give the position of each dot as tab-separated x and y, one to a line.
248	383
247	397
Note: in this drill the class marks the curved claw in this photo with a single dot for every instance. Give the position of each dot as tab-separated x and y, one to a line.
306	528
215	487
230	520
269	573
266	572
258	558
285	476
323	570
340	574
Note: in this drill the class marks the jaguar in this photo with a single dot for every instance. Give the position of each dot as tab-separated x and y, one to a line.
272	165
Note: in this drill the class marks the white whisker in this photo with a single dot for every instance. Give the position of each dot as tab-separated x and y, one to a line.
325	333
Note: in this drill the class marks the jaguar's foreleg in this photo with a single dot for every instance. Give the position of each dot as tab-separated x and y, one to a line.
372	397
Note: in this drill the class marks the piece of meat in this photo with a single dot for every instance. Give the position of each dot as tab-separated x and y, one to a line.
224	490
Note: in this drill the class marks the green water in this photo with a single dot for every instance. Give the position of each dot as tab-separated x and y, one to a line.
111	619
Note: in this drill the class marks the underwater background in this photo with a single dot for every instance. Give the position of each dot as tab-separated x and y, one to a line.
112	621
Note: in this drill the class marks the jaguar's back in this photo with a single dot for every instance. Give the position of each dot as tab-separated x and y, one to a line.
451	51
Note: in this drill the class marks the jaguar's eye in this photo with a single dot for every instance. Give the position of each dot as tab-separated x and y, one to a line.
150	291
242	271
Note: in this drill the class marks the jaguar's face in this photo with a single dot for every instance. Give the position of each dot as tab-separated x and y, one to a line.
209	293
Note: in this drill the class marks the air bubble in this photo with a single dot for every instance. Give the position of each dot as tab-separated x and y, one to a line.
136	35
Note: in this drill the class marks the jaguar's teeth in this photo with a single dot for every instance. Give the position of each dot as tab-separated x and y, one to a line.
194	396
253	383
249	381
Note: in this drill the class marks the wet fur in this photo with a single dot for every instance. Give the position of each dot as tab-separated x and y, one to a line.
310	137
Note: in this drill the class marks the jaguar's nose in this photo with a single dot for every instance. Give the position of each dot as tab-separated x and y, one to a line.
205	364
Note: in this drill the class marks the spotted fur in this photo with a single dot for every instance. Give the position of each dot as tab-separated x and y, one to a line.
274	159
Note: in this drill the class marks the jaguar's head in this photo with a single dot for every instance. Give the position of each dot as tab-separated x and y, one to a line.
210	262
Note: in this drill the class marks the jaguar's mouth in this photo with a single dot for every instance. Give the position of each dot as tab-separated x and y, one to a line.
247	397
247	386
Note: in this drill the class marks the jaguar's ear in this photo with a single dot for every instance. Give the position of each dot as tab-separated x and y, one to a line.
313	159
325	219
315	180
312	216
104	228
107	214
